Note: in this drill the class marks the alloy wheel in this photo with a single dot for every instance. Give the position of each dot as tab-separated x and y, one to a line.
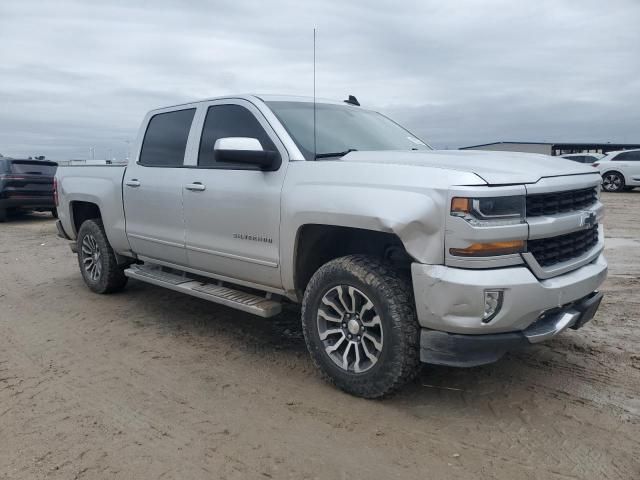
612	182
91	257
350	329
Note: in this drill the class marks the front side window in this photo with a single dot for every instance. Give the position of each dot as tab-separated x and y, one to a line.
165	140
339	128
224	121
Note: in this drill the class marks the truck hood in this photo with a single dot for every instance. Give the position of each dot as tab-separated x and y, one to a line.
495	168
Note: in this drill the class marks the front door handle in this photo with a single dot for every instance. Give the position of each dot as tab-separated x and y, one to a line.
134	182
195	187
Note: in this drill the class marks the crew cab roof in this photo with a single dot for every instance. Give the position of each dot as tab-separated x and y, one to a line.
265	98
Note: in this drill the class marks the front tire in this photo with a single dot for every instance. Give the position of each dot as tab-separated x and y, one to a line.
360	326
613	182
97	261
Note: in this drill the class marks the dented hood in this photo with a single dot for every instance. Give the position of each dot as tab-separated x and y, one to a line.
495	168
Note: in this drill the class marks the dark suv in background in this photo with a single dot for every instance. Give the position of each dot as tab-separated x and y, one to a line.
26	185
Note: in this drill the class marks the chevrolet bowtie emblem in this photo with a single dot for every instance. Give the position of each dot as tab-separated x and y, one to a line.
588	219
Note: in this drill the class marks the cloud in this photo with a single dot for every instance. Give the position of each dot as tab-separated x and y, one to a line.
78	74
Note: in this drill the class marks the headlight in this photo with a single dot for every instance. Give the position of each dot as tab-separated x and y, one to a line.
490	211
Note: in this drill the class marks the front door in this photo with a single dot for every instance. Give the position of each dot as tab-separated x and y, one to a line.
633	167
232	211
153	189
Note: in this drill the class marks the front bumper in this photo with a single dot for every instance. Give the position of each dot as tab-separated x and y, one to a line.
450	307
452	299
459	350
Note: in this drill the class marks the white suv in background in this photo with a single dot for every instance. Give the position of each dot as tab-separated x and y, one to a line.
620	170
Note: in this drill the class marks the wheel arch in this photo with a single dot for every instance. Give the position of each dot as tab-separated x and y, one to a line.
613	170
317	244
82	211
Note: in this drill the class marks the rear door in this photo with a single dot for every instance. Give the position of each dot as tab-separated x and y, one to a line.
153	188
233	220
633	167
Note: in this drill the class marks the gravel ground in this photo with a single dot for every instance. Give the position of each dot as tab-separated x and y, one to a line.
153	384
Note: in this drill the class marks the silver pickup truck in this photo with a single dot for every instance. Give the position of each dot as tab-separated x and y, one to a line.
397	253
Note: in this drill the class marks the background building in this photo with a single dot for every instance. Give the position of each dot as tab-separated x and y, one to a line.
553	148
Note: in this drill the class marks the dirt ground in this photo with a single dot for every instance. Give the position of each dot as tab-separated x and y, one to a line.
153	384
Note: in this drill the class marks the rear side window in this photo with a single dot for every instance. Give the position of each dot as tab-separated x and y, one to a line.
166	139
229	121
25	167
627	157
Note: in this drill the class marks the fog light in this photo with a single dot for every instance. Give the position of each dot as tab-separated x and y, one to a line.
492	304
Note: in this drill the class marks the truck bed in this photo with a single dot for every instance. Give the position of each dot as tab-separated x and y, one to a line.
97	184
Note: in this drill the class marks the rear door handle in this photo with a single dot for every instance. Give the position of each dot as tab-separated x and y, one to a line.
195	187
134	182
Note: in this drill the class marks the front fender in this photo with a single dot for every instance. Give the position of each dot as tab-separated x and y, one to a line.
414	216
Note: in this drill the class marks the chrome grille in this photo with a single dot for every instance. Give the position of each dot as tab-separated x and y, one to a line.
552	250
560	202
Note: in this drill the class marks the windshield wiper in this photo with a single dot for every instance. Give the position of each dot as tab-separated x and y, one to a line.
335	154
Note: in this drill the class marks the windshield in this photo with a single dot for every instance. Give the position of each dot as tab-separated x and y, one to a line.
342	128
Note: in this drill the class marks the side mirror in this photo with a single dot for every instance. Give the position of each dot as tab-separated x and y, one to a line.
244	150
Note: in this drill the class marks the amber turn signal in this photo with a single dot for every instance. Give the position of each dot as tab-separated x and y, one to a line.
489	249
460	205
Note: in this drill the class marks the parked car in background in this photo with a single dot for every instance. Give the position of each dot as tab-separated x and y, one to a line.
26	185
620	170
583	157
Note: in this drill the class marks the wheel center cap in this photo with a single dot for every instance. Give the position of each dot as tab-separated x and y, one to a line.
353	326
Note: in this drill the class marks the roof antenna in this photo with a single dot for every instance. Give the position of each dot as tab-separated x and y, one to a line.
352	101
315	150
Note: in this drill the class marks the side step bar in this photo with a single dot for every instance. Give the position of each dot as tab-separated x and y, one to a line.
247	302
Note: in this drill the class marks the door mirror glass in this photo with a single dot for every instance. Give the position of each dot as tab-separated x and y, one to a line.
244	150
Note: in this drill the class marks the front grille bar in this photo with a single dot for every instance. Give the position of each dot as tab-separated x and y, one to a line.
561	202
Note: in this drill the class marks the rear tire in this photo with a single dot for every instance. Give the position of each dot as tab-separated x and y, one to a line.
54	212
613	182
97	261
360	326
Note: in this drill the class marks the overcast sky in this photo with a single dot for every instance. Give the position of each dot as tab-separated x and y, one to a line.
75	74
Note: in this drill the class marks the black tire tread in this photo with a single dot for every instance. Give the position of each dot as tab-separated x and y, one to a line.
397	289
113	278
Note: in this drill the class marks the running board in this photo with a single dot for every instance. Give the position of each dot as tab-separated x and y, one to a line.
247	302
